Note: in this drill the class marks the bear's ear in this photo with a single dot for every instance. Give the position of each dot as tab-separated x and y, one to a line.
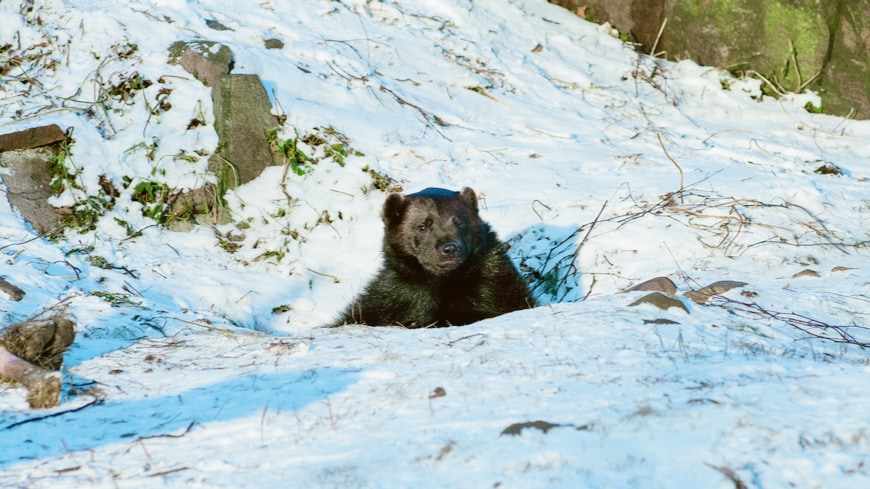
469	198
394	208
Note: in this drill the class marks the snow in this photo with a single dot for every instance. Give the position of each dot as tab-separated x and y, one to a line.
182	374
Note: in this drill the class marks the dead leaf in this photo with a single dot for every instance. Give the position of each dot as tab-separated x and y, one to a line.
659	321
517	428
437	392
841	269
702	295
659	284
807	273
662	301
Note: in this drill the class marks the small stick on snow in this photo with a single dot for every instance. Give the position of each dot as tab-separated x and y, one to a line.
43	385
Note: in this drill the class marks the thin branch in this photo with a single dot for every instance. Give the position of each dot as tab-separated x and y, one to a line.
659	136
96	402
813	328
652	51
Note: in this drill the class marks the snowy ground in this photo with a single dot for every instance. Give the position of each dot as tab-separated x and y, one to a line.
602	168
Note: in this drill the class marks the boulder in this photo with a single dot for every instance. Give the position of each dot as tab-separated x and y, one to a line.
795	44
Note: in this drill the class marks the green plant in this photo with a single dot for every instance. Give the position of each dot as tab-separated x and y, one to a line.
62	171
380	181
301	153
150	191
116	300
153	197
812	108
297	160
86	210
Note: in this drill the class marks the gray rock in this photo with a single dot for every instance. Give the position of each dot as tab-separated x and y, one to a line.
31	138
243	120
205	60
273	43
796	44
27	157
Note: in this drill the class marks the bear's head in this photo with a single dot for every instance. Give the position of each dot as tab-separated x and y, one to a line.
438	228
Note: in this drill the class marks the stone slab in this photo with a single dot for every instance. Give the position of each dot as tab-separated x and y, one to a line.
243	120
31	138
205	60
27	177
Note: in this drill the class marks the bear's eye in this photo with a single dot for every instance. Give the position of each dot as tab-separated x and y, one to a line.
425	225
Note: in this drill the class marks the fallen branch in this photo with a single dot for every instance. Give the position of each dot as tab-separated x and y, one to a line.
813	328
31	353
433	123
43	385
95	402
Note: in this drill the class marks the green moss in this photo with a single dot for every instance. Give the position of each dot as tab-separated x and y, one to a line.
796	39
783	41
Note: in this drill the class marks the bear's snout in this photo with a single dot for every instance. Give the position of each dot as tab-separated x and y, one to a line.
450	249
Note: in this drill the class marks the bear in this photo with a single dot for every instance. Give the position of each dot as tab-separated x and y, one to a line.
442	266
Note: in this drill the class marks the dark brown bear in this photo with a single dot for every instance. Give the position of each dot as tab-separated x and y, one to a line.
442	266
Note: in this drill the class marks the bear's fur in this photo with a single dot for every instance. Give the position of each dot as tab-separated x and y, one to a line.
442	266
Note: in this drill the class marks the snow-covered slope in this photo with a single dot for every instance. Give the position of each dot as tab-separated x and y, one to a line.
201	364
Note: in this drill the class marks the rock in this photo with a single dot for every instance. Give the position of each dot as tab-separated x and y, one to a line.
197	206
243	119
14	293
702	295
829	169
216	25
796	44
205	60
32	352
846	77
662	301
273	44
29	156
36	137
41	342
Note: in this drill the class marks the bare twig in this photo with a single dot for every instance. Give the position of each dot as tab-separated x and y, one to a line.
95	402
652	51
170	435
659	136
426	117
813	328
589	230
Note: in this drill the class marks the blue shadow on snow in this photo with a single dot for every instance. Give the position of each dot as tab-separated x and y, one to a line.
113	422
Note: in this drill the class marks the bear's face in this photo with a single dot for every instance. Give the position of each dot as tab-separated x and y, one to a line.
436	227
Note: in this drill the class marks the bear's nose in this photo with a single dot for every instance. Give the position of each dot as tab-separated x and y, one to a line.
450	248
